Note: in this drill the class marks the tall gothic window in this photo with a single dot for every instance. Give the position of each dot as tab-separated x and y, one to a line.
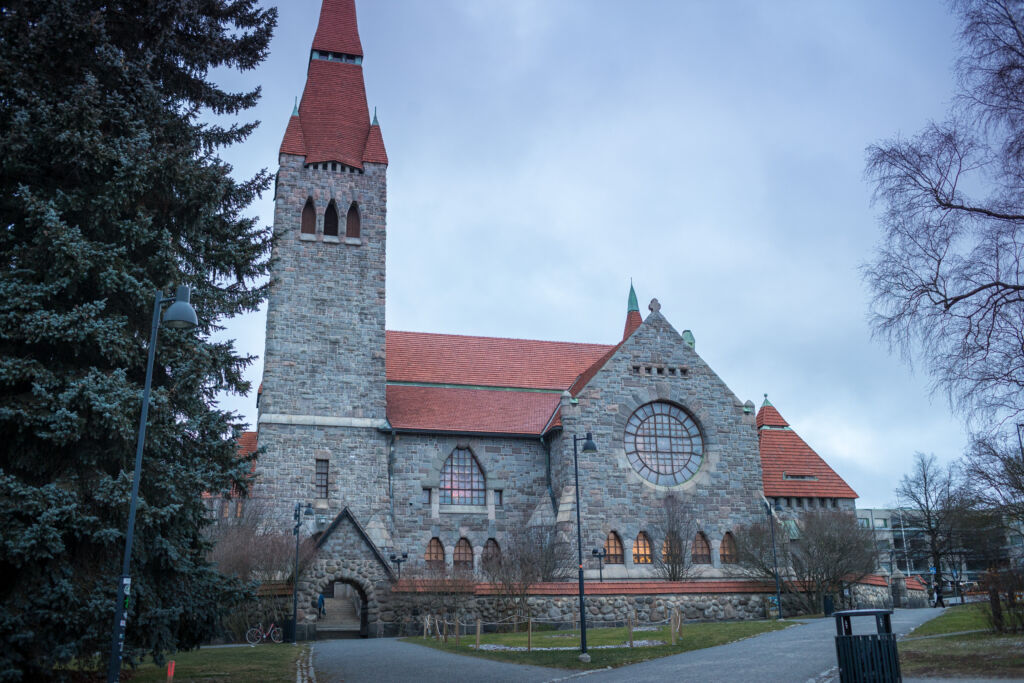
613	549
463	557
701	551
331	220
352	221
672	550
642	549
491	557
462	481
727	553
309	217
435	554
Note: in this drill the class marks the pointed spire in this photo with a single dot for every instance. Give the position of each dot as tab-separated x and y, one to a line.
374	122
295	111
766	401
337	31
633	319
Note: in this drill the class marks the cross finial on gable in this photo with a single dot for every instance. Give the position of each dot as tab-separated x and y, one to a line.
654	306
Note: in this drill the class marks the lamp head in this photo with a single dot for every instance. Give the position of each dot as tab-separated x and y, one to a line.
594	552
309	510
588	444
181	315
393	557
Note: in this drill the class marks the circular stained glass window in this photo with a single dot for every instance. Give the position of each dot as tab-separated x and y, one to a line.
663	444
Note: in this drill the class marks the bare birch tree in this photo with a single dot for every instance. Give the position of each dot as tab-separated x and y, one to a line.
947	279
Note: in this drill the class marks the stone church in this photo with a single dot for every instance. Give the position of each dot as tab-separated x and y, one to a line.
436	445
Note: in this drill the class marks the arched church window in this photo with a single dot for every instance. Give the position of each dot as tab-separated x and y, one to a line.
435	554
462	481
309	217
613	549
352	221
331	220
672	551
701	552
727	553
642	549
491	556
463	557
663	443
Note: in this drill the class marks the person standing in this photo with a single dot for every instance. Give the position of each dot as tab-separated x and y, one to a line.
320	610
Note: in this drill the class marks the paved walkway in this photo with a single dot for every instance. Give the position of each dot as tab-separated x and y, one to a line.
800	653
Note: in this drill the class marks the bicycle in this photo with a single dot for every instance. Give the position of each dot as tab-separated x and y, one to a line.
257	635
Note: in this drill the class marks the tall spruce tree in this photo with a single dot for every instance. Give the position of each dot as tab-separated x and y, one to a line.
111	188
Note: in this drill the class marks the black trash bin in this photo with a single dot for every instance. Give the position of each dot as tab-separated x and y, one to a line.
830	605
867	658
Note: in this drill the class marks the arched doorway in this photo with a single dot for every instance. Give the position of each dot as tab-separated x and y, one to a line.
347	606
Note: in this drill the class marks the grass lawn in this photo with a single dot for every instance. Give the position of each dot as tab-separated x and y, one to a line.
970	617
266	663
972	654
975	655
694	637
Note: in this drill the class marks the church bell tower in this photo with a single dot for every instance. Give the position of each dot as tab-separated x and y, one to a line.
322	406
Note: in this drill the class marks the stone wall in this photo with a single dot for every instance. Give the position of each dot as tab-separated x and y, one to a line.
516	467
726	490
323	385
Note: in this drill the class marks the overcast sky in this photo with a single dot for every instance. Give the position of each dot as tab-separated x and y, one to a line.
542	153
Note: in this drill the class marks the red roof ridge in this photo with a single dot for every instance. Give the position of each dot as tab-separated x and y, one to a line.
485	337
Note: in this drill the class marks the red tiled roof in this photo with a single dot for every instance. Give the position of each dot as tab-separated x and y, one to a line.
293	142
633	321
374	153
769	416
487	361
469	410
914	583
588	374
337	30
783	451
333	113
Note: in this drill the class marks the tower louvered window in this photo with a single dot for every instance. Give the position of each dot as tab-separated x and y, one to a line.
727	554
462	481
642	549
701	552
435	554
352	226
331	220
613	549
309	218
463	557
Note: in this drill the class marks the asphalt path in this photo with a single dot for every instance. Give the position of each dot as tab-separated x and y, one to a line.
804	652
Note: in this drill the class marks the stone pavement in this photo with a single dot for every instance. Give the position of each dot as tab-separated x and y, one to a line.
805	652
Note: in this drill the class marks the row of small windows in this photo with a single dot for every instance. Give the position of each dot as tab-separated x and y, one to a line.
352	223
700	550
791	502
661	370
462	557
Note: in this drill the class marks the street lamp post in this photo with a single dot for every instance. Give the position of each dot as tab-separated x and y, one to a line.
295	577
180	316
588	447
599	554
775	558
397	560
